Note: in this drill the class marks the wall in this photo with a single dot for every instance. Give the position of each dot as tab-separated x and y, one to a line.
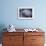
9	13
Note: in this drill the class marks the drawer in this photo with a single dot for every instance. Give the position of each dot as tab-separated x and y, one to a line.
34	34
37	44
12	39
13	33
8	45
14	42
37	39
21	44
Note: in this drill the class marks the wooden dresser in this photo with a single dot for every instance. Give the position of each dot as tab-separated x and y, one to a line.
23	39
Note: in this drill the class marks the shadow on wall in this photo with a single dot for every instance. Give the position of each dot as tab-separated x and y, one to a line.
2	26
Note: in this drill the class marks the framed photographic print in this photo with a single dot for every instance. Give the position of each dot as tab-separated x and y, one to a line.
25	13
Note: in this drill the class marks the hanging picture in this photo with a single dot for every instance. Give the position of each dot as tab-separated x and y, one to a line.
25	13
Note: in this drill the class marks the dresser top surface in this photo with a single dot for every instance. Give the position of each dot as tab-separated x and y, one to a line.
22	30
